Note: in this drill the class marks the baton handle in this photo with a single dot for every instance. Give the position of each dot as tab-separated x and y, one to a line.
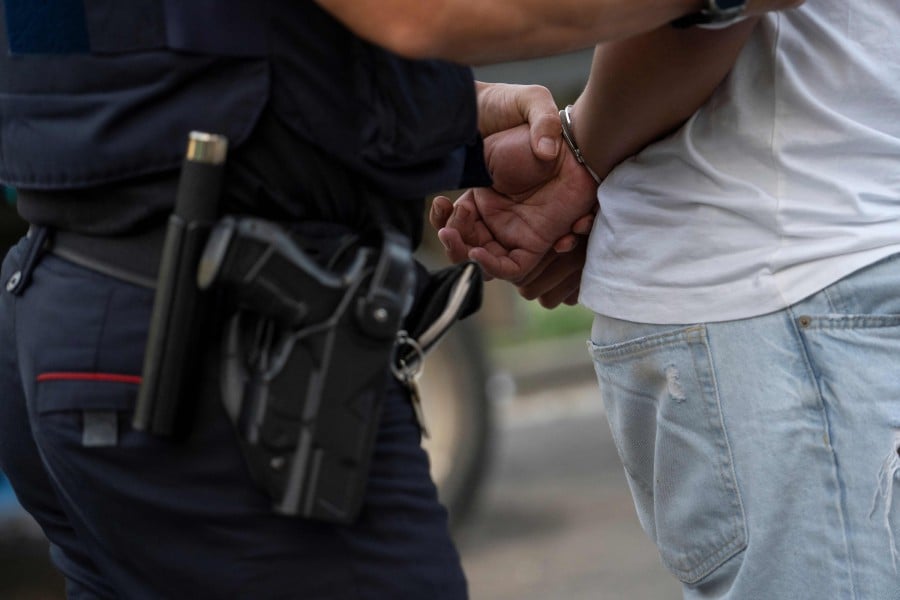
176	322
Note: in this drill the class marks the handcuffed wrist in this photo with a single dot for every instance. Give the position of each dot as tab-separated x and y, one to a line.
566	120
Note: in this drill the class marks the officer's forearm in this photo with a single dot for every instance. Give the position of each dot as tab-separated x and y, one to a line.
479	31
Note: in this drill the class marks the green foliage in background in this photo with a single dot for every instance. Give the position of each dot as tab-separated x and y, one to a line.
535	323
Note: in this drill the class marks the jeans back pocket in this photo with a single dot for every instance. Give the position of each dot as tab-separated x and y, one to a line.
663	408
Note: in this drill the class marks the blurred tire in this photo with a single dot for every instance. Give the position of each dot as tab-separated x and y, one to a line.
459	417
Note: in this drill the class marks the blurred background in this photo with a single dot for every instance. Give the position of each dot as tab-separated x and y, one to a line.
519	443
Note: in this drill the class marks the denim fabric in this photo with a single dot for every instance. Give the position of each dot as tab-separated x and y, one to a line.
135	516
762	454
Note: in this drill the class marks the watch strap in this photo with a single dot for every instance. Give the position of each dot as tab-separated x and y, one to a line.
719	12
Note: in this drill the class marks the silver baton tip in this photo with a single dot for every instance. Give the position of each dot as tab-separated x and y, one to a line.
209	148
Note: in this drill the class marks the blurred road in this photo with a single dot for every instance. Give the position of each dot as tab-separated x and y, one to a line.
555	519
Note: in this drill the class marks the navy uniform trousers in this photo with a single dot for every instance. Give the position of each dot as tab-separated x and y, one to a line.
133	516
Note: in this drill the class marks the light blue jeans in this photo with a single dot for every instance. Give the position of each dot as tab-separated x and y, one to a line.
763	454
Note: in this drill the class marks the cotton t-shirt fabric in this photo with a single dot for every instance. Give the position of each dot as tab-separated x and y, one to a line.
785	181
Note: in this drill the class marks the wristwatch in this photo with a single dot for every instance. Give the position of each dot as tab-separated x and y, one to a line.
717	12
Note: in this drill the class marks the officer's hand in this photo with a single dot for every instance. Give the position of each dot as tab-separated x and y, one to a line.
502	106
533	208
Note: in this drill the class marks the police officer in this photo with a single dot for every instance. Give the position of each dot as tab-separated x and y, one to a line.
331	129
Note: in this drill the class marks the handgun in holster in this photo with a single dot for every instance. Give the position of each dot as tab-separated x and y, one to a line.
310	344
307	356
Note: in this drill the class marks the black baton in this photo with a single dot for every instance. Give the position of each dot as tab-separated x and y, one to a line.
176	322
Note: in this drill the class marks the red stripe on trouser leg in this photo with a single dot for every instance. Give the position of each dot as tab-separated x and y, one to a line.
108	377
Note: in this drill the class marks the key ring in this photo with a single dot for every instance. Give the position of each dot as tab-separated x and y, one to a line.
401	369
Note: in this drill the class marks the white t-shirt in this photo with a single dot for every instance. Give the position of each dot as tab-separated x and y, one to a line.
787	180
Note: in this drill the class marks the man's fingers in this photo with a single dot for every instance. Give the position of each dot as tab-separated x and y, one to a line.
457	225
462	217
562	273
553	276
465	218
454	246
584	225
441	207
538	271
565	244
510	266
565	293
572	299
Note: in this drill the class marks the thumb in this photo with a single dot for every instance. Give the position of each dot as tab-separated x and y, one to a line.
504	106
546	135
537	106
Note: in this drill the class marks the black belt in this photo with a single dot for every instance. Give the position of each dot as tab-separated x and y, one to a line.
133	258
138	208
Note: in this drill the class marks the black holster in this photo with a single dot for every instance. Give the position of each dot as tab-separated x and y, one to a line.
312	334
306	357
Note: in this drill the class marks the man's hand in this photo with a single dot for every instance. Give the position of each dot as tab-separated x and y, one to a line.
557	279
532	209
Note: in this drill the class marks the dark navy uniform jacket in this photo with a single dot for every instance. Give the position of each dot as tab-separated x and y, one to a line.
95	92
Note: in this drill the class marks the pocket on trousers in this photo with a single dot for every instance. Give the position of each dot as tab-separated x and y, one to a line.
663	407
85	409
